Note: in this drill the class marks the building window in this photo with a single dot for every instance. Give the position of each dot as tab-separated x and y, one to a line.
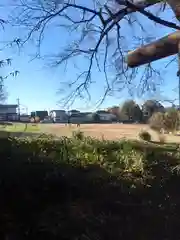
146	114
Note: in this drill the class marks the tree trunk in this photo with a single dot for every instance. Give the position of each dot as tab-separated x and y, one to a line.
175	5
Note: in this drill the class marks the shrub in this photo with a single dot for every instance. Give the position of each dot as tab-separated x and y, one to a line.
4	134
78	135
98	183
37	119
172	120
169	121
156	122
32	120
145	135
162	138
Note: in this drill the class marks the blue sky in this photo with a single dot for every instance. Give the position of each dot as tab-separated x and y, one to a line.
37	84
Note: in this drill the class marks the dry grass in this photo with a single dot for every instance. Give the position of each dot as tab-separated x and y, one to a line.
106	131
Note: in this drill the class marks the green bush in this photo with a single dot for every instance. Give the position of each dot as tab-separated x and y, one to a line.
78	135
111	155
101	188
145	135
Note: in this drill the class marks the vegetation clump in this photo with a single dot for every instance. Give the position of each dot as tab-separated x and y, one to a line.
78	135
162	138
49	185
172	120
157	121
168	121
145	135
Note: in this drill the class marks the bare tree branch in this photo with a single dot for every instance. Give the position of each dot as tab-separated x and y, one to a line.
3	92
152	17
105	53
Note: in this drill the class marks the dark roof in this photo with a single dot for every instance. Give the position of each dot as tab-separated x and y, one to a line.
102	111
57	110
77	115
8	105
74	110
87	112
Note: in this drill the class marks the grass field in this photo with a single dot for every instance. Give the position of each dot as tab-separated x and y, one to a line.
20	127
106	131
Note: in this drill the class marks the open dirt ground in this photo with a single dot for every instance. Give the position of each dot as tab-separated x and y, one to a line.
106	131
100	131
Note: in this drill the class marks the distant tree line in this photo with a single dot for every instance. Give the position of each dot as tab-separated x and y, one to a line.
130	111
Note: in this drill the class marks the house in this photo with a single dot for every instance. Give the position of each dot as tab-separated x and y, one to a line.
8	112
105	116
73	112
24	118
59	116
89	117
40	114
81	117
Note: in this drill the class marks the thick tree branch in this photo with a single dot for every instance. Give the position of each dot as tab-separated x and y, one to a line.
159	49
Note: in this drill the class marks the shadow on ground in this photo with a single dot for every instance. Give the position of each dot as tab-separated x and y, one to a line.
43	200
19	134
25	134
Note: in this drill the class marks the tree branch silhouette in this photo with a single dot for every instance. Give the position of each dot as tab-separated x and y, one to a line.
105	53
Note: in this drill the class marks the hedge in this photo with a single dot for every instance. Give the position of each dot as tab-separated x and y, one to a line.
88	189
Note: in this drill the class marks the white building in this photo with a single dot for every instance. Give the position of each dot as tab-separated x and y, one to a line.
58	116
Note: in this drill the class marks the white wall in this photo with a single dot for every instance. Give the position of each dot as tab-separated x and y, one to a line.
59	115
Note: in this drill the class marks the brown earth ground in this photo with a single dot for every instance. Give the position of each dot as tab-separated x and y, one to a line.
106	131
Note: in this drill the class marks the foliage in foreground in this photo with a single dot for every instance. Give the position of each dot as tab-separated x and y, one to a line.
145	135
169	121
88	189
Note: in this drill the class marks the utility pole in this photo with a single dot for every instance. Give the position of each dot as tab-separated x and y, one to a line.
18	102
178	75
179	89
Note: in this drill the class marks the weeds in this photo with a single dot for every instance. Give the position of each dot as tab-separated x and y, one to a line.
78	135
162	138
145	135
90	189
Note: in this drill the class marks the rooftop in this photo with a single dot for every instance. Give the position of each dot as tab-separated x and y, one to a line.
58	111
8	105
102	112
